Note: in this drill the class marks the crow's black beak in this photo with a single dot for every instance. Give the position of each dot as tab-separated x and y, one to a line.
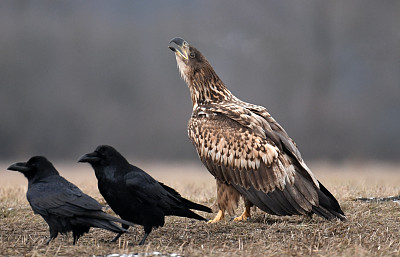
90	158
19	166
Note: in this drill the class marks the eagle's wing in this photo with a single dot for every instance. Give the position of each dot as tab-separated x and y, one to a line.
238	147
259	118
281	138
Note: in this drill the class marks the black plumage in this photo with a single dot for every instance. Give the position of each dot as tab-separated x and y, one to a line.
62	204
134	195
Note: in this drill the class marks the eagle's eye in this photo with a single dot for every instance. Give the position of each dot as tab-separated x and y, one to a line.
192	55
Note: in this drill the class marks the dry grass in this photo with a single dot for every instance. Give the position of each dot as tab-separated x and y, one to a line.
372	229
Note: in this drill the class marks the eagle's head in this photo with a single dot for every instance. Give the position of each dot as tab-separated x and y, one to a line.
190	61
203	82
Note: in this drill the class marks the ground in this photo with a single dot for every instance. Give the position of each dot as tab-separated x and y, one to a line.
372	229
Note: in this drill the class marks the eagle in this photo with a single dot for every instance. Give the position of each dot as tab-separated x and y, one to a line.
246	150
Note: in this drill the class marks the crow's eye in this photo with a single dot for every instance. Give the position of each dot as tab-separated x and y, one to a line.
99	154
192	55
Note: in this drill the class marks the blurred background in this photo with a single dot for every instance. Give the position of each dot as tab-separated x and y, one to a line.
76	74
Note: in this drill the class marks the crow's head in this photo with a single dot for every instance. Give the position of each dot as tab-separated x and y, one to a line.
104	155
37	166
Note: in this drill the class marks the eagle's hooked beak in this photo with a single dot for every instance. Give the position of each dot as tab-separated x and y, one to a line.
179	46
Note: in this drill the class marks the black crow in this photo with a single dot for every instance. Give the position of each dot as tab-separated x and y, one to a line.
62	204
134	195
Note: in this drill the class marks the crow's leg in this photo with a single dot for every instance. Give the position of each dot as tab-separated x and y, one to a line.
119	234
147	231
53	234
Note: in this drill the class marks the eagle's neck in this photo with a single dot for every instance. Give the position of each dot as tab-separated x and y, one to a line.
205	86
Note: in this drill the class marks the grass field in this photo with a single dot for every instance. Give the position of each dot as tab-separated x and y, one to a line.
372	229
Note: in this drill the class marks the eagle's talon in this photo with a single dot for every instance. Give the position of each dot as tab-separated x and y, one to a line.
245	215
219	217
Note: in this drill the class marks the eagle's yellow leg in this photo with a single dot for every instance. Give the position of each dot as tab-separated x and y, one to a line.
219	217
246	214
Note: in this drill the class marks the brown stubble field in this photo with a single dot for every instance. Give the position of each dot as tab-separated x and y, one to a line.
372	229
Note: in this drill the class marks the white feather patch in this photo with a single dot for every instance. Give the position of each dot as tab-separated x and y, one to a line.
211	153
257	163
217	156
271	152
182	68
224	160
237	163
230	160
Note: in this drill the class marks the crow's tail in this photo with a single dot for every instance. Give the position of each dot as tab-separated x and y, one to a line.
187	203
100	219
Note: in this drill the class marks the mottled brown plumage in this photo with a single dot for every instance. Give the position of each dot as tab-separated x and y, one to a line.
245	149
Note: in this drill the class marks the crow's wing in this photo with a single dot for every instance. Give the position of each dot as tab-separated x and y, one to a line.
56	195
158	198
149	191
144	188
